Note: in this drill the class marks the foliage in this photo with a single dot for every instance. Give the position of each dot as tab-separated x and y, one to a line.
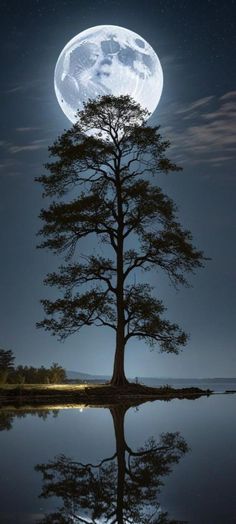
6	364
31	375
6	360
28	374
57	374
105	181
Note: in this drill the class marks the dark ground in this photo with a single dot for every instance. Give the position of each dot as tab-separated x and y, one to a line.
103	394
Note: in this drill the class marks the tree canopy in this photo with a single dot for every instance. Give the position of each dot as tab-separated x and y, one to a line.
103	182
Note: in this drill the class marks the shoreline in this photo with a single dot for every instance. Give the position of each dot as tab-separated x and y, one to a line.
103	394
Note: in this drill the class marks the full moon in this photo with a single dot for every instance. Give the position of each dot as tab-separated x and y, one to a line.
107	60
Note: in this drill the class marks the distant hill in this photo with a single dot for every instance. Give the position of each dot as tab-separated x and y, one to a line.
78	375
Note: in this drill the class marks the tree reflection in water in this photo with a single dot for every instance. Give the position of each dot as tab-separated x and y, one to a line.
7	416
121	489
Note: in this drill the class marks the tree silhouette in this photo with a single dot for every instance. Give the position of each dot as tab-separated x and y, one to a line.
30	375
120	489
110	154
6	359
6	364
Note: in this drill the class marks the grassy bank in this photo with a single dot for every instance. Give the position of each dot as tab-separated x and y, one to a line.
100	394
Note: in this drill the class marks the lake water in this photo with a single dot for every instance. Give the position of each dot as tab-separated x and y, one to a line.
219	385
160	463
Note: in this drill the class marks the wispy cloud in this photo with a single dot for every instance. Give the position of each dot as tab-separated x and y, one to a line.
4	143
27	129
12	159
230	95
20	149
201	102
33	145
173	61
203	131
26	85
10	167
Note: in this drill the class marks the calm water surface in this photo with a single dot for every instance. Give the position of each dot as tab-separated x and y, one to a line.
163	462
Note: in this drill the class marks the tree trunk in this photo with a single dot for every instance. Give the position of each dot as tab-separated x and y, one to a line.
118	377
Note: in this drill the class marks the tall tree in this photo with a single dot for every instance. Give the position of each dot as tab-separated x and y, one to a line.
6	360
111	154
6	364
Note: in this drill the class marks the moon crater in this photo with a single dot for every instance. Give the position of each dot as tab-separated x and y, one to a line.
107	60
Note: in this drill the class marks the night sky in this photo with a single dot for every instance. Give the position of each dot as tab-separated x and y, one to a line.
196	43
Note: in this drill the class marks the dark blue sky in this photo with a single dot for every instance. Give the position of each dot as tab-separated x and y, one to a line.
196	43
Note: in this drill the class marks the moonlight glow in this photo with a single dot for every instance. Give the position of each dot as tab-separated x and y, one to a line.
104	60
